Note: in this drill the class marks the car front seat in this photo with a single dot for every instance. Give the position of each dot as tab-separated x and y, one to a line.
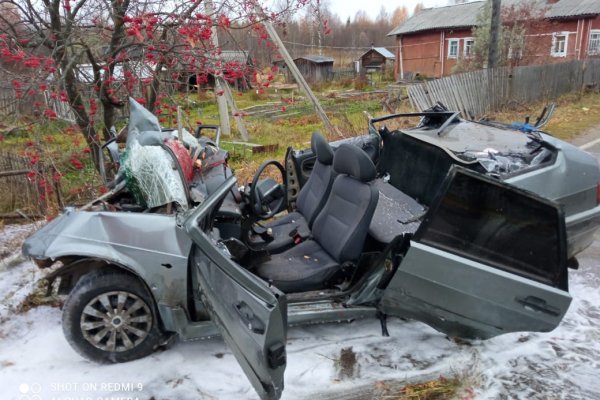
311	199
338	232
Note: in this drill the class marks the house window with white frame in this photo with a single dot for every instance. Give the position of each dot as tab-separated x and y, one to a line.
453	48
594	46
468	47
560	41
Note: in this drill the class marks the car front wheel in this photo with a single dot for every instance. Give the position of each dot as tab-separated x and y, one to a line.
109	317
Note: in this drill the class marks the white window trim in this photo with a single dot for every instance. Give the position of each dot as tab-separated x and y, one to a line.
590	51
450	41
465	47
559	54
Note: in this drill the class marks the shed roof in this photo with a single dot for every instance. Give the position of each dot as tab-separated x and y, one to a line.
381	50
573	8
315	59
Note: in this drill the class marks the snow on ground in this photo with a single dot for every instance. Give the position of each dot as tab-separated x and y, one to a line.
36	362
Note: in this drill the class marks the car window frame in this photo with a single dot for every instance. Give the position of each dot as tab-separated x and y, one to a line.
562	280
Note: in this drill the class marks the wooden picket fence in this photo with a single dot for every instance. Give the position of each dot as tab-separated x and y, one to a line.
9	104
474	94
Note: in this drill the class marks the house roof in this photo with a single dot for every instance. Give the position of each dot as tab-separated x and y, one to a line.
240	56
381	50
465	15
456	16
573	8
316	59
85	72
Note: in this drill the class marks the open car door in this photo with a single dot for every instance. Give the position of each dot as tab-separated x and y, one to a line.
488	259
250	314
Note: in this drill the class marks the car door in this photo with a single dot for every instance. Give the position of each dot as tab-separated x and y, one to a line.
488	259
250	314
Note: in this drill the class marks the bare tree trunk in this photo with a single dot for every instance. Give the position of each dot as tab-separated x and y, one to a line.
82	118
62	31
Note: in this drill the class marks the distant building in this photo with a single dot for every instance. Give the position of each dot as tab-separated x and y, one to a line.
315	68
237	60
432	41
377	59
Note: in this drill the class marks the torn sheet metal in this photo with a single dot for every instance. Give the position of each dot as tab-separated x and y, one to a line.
496	163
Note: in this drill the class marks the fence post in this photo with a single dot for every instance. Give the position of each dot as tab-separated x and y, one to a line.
41	190
584	66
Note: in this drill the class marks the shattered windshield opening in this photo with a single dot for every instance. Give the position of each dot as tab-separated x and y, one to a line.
150	165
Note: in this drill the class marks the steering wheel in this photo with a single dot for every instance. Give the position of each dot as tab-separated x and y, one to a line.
267	196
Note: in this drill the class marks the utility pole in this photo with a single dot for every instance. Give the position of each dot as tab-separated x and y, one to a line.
221	100
494	34
296	73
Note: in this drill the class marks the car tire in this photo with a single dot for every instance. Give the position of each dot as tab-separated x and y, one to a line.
110	317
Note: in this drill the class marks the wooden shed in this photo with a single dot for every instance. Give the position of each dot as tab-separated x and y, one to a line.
315	68
377	59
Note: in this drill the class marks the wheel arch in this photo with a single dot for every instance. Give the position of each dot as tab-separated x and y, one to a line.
76	266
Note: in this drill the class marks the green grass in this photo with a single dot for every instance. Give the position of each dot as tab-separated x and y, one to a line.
57	142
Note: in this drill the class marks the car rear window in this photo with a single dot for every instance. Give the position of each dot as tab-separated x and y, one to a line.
500	226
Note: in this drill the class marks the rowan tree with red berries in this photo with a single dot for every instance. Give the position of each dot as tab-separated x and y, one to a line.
93	54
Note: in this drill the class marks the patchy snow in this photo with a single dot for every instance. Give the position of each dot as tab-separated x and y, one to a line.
17	278
36	362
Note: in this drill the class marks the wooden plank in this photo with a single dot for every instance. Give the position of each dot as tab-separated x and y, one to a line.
239	121
20	215
423	96
296	73
14	172
221	101
460	96
466	94
255	147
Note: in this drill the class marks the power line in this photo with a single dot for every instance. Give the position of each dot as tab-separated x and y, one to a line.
356	48
327	47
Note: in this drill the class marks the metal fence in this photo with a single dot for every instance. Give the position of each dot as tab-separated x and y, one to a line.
477	93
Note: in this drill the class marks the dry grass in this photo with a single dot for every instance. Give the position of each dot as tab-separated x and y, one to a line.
38	297
289	125
435	389
574	115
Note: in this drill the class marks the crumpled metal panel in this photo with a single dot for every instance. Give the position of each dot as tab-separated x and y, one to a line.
150	245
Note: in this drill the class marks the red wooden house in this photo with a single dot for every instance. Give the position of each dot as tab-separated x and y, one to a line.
433	41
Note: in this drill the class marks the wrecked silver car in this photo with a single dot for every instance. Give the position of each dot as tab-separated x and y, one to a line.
468	227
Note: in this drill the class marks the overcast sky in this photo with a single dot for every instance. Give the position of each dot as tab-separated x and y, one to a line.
348	8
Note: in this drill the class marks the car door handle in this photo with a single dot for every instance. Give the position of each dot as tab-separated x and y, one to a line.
248	318
539	305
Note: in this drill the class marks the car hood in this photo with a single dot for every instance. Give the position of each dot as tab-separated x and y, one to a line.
107	234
